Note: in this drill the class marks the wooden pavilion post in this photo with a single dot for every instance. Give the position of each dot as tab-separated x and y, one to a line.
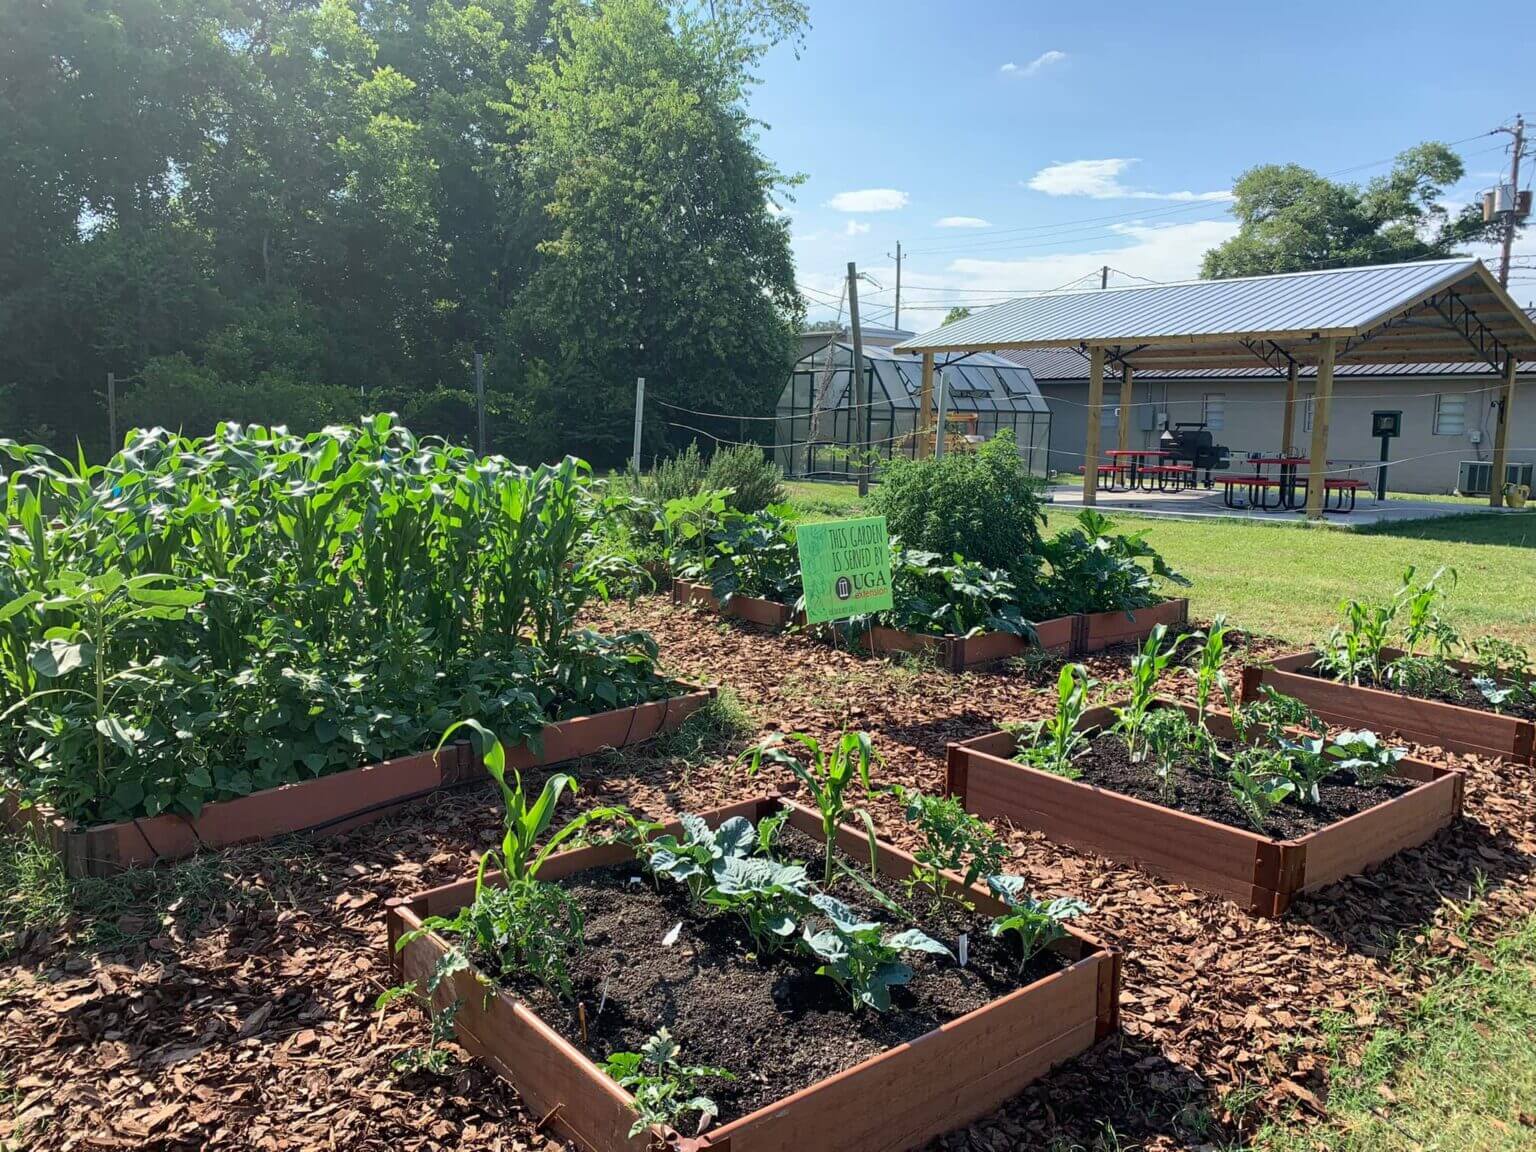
1317	468
925	409
1501	432
1288	433
1095	416
1127	395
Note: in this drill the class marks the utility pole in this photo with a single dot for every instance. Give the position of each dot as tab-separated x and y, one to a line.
897	322
860	381
634	459
1104	277
480	402
112	444
1511	211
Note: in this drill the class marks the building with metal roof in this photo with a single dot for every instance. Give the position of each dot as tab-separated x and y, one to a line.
1434	312
816	432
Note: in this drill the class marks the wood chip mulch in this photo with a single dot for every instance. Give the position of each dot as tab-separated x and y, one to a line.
240	1014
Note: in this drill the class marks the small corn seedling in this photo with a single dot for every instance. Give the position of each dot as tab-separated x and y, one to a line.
1147	668
828	777
1054	743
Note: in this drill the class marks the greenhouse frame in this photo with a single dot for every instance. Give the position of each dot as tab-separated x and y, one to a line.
983	395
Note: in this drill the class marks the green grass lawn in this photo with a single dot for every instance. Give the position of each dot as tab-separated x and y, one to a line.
1287	580
1459	1075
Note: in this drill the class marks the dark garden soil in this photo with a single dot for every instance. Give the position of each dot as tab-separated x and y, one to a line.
1459	689
774	1024
1200	791
228	1003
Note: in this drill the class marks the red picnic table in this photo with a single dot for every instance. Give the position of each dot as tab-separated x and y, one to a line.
1131	465
1289	487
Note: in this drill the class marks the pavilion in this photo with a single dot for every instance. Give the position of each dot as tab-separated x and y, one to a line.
1428	312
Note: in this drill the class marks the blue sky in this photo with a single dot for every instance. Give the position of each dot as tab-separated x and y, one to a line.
1018	146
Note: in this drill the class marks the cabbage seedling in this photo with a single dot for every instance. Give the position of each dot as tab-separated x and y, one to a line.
1037	925
863	961
665	1089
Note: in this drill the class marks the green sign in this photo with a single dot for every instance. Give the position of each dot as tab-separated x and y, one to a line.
845	566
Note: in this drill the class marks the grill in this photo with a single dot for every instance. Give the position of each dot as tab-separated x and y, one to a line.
1192	444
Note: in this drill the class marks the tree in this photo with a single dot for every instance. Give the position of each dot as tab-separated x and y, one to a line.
657	255
959	312
226	201
1292	220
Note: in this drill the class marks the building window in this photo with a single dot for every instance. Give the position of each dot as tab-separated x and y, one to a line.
1215	411
1109	416
1451	414
1306	414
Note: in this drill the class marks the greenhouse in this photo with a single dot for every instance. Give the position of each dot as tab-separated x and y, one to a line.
980	395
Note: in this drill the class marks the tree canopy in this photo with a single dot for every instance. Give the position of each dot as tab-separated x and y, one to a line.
1291	219
285	210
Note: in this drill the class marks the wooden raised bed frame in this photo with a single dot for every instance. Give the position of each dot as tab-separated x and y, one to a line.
1432	722
337	802
764	613
1101	630
1069	636
896	1100
1255	871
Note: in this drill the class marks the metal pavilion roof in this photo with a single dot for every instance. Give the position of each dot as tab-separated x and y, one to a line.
1436	311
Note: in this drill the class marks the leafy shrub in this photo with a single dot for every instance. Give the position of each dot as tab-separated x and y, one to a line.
1095	569
749	554
982	505
935	596
675	478
754	481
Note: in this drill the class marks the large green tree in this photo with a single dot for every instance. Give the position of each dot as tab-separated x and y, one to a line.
229	202
1291	219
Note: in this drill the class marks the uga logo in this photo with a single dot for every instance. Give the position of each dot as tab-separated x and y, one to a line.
844	588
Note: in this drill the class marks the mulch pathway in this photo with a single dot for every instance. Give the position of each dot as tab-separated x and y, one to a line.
242	1016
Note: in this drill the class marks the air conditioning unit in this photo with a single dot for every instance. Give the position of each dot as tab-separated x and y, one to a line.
1475	477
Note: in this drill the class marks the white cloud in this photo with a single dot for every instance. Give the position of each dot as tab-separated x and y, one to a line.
1100	180
856	228
962	222
869	200
1035	66
773	209
1157	251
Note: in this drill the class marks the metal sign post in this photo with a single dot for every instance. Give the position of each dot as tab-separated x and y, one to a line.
1385	426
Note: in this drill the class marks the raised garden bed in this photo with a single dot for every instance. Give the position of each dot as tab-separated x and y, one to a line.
765	613
897	1098
1454	727
1101	630
958	653
333	803
1261	873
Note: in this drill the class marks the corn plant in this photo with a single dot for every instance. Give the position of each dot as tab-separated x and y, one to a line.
1421	605
320	602
1147	668
665	1090
863	959
524	824
828	777
1210	679
1037	925
1053	744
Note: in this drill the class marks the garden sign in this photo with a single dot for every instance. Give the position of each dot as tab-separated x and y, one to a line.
845	568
